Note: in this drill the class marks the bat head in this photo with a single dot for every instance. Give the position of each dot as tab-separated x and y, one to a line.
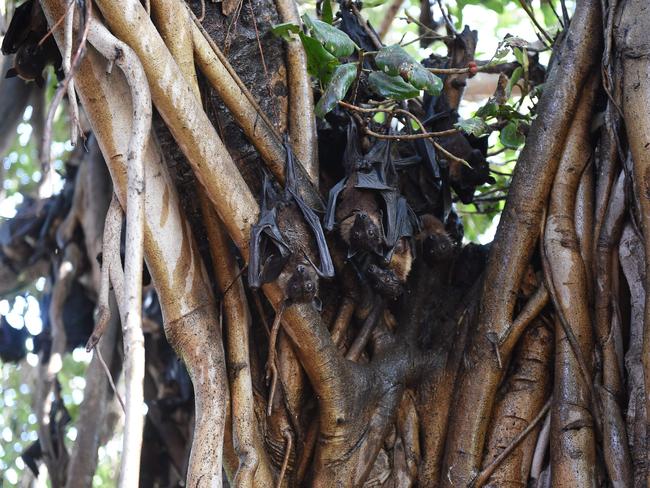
437	247
384	281
365	234
302	285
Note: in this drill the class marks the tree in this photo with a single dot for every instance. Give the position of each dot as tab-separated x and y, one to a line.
295	195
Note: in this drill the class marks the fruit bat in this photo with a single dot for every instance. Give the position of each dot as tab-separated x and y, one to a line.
25	38
434	242
279	240
373	217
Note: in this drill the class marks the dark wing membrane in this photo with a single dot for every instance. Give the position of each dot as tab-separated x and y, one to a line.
381	157
401	221
371	181
427	152
327	267
263	265
19	28
330	213
353	155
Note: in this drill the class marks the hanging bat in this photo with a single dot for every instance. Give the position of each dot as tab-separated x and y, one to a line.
280	242
266	240
353	202
25	38
434	242
402	225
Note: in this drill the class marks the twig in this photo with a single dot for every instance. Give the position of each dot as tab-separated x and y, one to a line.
266	71
110	378
389	16
408	137
364	25
67	57
531	14
426	28
447	19
271	369
550	3
484	475
56	24
63	88
404	137
285	461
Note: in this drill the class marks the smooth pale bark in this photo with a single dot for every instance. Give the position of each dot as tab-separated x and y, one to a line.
302	123
513	246
183	288
133	338
573	453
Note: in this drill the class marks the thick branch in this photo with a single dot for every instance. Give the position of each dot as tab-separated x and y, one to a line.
634	49
175	267
302	122
514	243
571	415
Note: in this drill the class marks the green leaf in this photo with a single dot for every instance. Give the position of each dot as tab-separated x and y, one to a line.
510	135
520	55
391	86
490	109
474	126
514	78
394	60
285	30
320	63
327	14
495	5
337	88
373	3
335	41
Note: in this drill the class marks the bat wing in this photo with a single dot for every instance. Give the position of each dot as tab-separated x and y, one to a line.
427	152
381	157
371	181
263	264
19	28
312	220
330	213
353	155
401	221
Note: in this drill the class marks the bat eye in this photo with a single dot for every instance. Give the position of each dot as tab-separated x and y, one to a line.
372	268
371	233
356	234
309	286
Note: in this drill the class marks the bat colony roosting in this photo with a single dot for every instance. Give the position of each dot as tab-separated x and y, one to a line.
339	332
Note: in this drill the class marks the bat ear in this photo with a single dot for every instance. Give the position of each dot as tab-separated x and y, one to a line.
11	73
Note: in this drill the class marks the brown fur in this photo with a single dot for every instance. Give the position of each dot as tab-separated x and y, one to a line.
434	243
